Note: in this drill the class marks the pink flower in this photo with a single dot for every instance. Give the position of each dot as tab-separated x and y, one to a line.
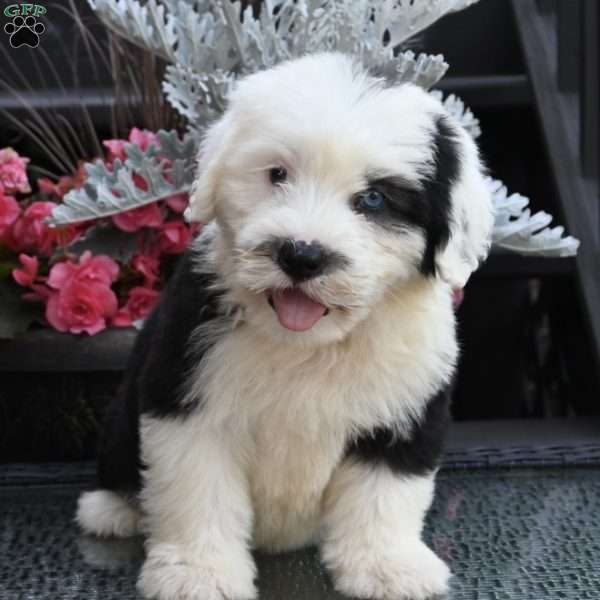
27	277
97	269
9	212
64	185
116	148
28	274
177	203
143	138
91	270
81	307
149	267
13	172
83	300
174	238
140	182
139	305
63	236
30	232
144	216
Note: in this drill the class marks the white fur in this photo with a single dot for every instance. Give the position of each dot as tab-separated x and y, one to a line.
263	450
261	460
329	125
197	513
107	514
372	521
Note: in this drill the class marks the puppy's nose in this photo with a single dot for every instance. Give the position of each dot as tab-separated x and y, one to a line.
300	260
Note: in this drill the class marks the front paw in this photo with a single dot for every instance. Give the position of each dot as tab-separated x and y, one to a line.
406	572
173	573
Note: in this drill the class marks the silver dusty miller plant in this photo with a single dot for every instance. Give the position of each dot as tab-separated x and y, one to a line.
208	44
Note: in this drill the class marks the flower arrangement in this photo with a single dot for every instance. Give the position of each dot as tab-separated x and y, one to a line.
88	276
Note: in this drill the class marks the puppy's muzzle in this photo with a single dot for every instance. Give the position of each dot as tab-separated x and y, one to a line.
301	260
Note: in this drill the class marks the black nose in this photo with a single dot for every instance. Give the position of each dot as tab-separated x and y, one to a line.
300	260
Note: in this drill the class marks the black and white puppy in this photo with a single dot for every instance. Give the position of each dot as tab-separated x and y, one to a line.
289	389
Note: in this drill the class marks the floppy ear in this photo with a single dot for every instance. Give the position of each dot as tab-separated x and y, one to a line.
211	159
471	213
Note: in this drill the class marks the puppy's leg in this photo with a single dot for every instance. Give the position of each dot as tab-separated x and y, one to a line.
372	526
197	514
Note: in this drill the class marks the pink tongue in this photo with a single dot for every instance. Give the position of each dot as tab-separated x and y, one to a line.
295	310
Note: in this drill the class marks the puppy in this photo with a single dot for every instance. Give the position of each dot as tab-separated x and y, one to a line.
289	389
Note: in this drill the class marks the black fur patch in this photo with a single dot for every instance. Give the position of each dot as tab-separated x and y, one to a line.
418	455
427	208
155	378
437	192
405	205
188	302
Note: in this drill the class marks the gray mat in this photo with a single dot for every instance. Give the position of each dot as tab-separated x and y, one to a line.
508	535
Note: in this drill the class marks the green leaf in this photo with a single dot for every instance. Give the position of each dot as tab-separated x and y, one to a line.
6	268
16	315
8	262
107	240
6	253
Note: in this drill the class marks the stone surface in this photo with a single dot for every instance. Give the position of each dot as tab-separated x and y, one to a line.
508	535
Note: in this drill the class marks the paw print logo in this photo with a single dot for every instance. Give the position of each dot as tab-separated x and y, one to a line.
24	31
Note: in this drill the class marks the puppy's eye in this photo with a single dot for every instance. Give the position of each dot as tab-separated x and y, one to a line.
370	201
277	175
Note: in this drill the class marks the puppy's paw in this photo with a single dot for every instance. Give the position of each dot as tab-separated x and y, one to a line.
173	573
408	572
107	514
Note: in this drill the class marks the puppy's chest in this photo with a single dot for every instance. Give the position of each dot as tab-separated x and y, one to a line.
294	411
291	463
290	467
298	435
311	393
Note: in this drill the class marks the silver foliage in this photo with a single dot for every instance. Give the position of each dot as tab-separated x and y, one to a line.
199	98
517	230
456	107
210	43
423	70
168	170
147	25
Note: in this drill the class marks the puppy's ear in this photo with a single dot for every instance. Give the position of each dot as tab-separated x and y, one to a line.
471	209
211	159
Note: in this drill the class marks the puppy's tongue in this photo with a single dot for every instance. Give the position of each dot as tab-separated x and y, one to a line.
295	310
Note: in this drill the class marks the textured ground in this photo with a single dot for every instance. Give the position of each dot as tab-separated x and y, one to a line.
514	535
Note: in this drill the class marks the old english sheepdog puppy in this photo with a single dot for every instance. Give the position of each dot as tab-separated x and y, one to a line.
289	389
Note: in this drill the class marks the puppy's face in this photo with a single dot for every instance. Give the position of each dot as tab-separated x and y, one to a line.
331	191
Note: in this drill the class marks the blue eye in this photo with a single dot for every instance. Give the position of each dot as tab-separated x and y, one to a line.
370	200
